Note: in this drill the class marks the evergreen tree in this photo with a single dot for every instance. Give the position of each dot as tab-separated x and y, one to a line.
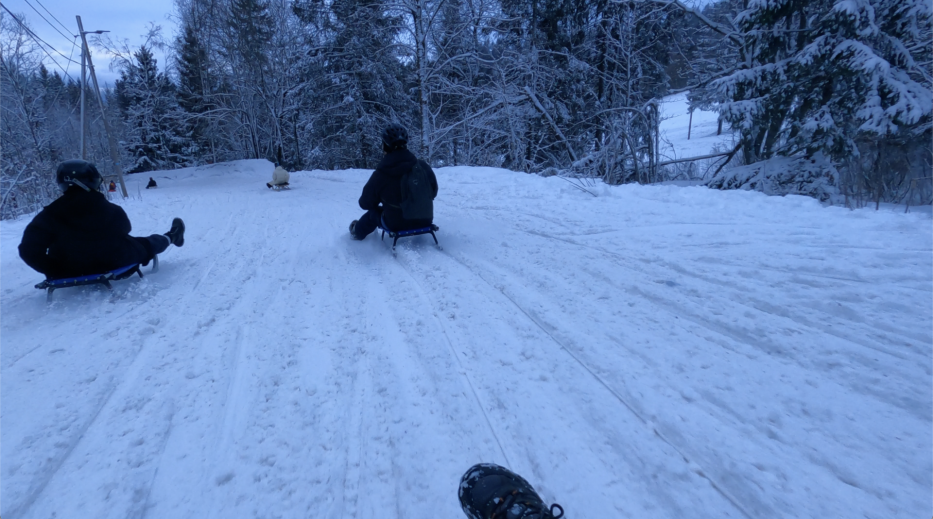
155	131
816	74
248	31
194	86
363	86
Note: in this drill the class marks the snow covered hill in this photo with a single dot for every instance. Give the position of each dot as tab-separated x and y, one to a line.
654	352
676	125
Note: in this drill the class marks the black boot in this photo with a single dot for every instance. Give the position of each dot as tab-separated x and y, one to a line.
488	491
177	234
353	229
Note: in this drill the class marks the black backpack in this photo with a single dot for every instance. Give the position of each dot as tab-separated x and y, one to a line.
417	194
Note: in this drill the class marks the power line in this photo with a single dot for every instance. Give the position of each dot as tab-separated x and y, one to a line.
47	20
38	39
53	17
62	90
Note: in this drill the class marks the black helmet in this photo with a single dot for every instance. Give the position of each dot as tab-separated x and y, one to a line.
394	136
79	173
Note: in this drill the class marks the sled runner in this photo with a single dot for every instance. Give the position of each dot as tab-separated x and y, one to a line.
431	229
94	279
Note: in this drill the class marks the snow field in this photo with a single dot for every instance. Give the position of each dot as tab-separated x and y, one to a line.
675	126
651	352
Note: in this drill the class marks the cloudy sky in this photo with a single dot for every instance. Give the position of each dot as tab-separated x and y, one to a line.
127	20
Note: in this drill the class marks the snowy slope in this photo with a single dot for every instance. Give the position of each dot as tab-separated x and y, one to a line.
656	352
676	125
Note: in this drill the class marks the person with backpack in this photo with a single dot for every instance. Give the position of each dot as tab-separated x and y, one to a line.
400	193
82	234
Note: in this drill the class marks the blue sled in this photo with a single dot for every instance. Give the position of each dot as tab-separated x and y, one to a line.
395	235
95	279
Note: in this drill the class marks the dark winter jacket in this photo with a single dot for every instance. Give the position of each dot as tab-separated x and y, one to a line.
385	187
80	234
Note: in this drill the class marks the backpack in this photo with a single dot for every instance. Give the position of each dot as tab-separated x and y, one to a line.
417	194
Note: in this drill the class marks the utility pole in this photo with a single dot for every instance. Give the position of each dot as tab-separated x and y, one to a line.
83	88
114	153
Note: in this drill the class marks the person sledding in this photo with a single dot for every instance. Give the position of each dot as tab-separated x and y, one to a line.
82	234
151	184
113	187
399	172
279	178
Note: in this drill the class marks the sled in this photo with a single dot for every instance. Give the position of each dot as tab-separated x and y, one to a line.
51	285
278	187
395	235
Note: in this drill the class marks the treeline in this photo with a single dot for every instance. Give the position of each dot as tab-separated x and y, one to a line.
529	85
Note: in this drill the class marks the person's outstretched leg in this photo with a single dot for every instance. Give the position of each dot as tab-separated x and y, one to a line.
153	244
366	224
157	243
488	490
177	232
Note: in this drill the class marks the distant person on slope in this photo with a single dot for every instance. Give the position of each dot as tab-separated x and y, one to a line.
152	183
81	233
279	177
382	196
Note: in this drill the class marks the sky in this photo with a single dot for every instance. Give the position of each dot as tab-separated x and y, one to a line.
126	21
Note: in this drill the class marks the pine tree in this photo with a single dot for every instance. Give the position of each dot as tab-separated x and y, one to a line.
155	135
194	87
814	75
364	84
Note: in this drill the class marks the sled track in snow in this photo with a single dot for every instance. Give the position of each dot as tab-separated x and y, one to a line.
453	350
697	468
748	302
54	466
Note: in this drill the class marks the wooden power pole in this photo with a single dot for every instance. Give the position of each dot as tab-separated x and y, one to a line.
114	153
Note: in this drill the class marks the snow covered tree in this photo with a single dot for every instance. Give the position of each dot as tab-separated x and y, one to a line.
39	122
195	88
358	80
814	75
155	129
830	79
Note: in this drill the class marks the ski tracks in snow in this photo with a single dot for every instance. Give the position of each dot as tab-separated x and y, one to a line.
628	440
623	358
636	299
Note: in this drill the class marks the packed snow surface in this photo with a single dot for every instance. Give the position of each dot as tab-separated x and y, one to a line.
653	352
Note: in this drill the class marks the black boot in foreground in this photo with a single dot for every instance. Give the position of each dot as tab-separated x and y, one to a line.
488	491
353	230
177	233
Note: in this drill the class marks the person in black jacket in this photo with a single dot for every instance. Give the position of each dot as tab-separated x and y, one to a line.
152	183
81	233
382	194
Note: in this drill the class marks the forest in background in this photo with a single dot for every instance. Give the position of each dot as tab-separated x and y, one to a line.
830	98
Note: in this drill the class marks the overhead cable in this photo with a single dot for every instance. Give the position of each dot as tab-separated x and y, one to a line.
53	17
48	22
39	41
